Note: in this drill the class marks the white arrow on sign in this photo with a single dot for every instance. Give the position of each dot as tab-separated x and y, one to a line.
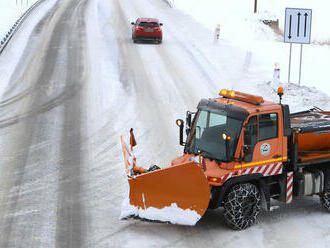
297	27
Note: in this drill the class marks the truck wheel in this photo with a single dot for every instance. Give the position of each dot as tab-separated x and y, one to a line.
242	206
325	197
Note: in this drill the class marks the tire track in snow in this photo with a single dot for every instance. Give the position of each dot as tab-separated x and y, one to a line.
13	178
202	66
150	113
19	76
71	218
216	75
30	77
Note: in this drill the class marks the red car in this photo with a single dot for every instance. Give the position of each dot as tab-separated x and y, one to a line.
148	29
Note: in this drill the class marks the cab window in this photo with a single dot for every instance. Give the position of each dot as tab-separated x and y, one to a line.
268	126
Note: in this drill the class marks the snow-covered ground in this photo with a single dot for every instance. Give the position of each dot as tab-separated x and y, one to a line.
10	11
238	20
241	27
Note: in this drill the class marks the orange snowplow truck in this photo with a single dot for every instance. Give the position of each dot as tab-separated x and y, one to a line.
241	151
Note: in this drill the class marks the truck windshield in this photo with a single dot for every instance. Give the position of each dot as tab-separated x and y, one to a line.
206	135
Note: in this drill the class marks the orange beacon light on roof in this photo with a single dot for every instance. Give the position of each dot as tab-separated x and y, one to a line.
236	95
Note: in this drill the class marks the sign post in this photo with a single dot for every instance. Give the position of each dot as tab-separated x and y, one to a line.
290	62
297	29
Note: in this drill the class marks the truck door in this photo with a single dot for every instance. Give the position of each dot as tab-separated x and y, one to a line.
265	139
269	145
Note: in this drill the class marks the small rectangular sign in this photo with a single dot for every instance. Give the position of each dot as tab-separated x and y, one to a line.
298	24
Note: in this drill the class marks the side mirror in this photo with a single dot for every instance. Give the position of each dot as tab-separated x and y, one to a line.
160	24
132	23
246	149
188	119
247	146
180	124
188	122
247	137
247	153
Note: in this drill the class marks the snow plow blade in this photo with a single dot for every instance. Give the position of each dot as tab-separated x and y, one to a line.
178	194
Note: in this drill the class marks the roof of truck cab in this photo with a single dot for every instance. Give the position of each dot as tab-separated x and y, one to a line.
144	19
266	106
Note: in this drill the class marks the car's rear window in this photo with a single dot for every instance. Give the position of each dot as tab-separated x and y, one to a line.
149	24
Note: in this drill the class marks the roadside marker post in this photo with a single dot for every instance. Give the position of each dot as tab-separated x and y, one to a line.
297	29
276	75
217	32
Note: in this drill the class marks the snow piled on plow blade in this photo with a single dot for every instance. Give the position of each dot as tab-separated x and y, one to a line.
172	214
178	194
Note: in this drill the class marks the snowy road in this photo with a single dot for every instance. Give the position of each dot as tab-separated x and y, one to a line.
80	83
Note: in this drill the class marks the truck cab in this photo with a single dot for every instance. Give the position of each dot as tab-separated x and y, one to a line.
237	132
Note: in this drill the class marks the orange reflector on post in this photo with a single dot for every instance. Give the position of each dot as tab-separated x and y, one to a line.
236	95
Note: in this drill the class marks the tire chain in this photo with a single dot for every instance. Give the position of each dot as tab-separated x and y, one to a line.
234	201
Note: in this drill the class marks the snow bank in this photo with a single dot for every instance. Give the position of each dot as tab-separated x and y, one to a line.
172	214
241	28
15	48
298	97
237	16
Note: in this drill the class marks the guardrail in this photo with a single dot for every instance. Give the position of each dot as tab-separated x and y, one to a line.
4	42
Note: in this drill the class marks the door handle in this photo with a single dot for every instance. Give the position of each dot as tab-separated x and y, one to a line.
277	156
